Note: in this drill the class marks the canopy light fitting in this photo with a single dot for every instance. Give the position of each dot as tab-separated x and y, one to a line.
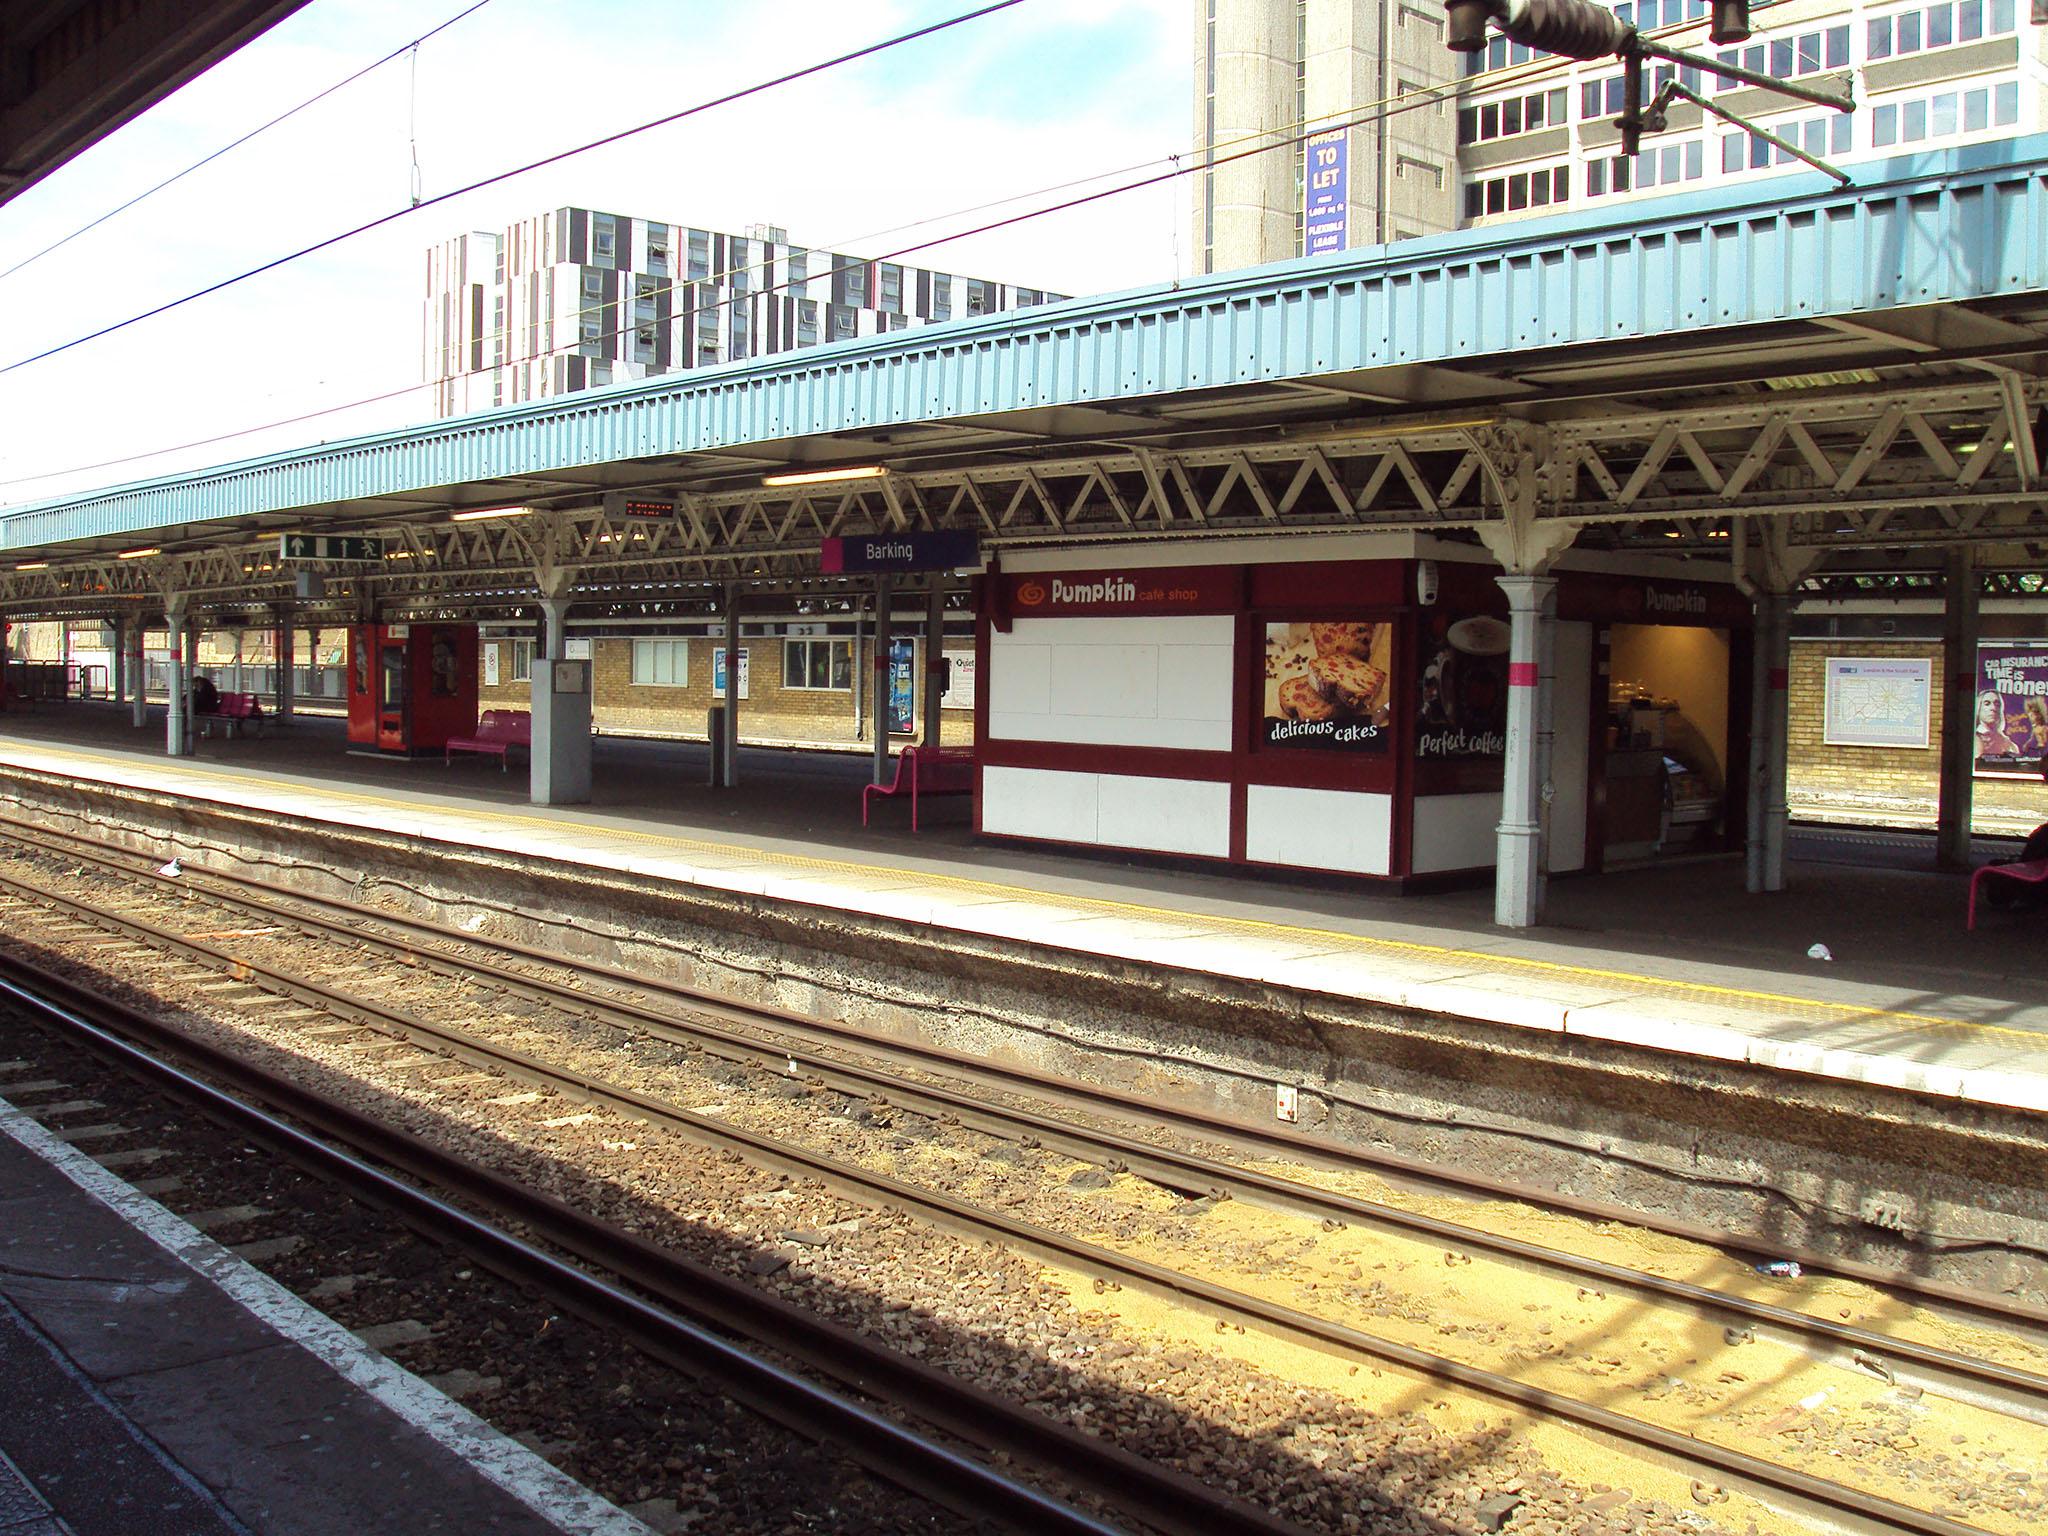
137	554
826	476
33	565
476	514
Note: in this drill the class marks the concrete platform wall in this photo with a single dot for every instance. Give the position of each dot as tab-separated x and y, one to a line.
1948	1189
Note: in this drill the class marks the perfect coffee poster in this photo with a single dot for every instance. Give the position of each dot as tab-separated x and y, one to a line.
1327	685
1461	701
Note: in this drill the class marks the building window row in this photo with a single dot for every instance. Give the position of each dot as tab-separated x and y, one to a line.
1788	57
1664	166
1945	114
1518	190
1937	26
1647	15
1829	134
1607	96
1516	114
1499	53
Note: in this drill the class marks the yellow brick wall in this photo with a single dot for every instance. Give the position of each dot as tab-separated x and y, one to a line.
1889	786
769	713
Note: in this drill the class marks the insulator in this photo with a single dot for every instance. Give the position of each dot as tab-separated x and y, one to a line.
1577	29
1730	23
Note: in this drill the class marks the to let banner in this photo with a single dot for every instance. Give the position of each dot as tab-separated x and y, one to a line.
1326	192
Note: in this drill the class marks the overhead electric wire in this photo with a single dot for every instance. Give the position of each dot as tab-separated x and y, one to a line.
791	76
1324	124
1508	78
261	128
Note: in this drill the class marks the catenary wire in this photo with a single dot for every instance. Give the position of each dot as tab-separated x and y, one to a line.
1407	103
866	51
261	128
1514	76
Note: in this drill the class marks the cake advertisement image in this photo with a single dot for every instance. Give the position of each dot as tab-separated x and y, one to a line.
1327	685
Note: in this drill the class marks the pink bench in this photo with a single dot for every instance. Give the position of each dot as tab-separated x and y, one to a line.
2032	872
235	711
497	733
925	771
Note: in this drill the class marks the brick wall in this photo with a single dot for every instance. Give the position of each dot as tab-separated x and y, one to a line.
1886	786
769	713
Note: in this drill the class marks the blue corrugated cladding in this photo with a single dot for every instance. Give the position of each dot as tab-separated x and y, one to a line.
1962	224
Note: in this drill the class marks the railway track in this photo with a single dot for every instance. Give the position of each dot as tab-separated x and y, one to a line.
673	1310
763	1037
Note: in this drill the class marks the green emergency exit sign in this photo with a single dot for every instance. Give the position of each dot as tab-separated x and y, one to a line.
337	547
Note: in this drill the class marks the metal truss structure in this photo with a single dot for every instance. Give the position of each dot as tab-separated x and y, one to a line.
1877	478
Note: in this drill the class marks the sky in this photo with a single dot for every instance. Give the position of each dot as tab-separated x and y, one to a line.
1043	94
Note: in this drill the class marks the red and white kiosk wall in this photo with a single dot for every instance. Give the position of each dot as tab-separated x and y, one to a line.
1297	703
411	687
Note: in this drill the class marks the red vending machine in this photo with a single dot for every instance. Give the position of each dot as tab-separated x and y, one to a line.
411	686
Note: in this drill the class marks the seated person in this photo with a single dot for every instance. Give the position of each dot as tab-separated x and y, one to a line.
205	697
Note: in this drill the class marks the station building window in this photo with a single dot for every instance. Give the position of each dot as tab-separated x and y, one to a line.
661	663
522	661
1513	193
818	664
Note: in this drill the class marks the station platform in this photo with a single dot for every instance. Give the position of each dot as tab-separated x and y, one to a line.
1675	957
156	1385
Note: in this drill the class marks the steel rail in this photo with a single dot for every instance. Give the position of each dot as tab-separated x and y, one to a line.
1948	1373
2009	1390
1783	1487
683	1288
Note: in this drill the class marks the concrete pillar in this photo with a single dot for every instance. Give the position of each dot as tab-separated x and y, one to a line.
1759	746
1958	709
281	658
1770	728
183	648
139	664
934	662
885	594
730	748
560	690
118	674
1521	874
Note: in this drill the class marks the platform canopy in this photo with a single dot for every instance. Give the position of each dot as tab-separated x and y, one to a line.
75	70
1860	367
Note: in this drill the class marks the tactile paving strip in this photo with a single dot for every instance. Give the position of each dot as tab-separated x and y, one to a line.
22	1510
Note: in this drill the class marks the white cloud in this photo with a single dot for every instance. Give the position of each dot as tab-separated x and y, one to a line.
1046	92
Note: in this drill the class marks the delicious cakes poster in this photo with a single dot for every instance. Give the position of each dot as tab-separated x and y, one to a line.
1327	685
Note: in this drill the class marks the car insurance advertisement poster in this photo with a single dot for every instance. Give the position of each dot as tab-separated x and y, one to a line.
902	687
1327	685
2012	708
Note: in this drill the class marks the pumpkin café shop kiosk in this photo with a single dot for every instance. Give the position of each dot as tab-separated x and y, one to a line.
411	687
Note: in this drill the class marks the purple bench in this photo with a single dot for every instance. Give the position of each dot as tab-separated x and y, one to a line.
2031	872
924	771
236	711
498	731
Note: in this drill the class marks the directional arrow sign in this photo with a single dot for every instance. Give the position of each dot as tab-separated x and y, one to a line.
346	548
